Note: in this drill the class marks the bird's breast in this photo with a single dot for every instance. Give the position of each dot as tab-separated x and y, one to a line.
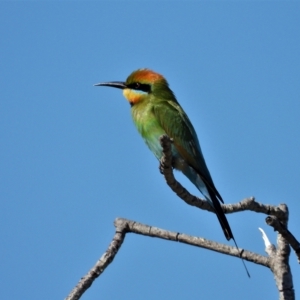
148	126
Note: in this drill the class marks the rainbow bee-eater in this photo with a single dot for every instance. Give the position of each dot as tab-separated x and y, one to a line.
156	112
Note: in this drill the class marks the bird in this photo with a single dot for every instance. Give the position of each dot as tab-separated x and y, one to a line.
156	112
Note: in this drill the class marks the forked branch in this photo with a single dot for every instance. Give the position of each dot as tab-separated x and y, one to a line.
124	226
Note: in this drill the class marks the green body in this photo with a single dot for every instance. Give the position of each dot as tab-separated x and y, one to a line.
155	112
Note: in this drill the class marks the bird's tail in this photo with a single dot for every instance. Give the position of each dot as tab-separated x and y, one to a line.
225	226
221	217
212	196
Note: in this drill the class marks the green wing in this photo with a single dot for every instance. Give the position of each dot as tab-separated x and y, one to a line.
177	125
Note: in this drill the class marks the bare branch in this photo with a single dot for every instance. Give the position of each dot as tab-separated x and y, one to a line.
280	262
86	281
278	226
124	226
247	204
140	228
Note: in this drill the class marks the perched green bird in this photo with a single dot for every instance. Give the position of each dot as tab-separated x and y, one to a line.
155	112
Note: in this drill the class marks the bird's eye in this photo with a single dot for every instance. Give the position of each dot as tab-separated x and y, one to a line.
140	86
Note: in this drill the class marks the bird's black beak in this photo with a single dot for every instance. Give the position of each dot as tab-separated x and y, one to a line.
115	84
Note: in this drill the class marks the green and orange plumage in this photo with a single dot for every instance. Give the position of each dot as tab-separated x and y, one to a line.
155	112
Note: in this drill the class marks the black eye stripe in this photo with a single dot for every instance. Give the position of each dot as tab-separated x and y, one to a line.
140	86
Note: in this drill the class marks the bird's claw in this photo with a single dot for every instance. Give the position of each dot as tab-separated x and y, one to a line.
161	168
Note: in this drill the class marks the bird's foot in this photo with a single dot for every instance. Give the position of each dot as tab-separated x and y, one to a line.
161	167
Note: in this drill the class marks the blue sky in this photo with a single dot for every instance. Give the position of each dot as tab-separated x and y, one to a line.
72	161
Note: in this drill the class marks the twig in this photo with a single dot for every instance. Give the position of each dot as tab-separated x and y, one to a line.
282	229
86	281
270	248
